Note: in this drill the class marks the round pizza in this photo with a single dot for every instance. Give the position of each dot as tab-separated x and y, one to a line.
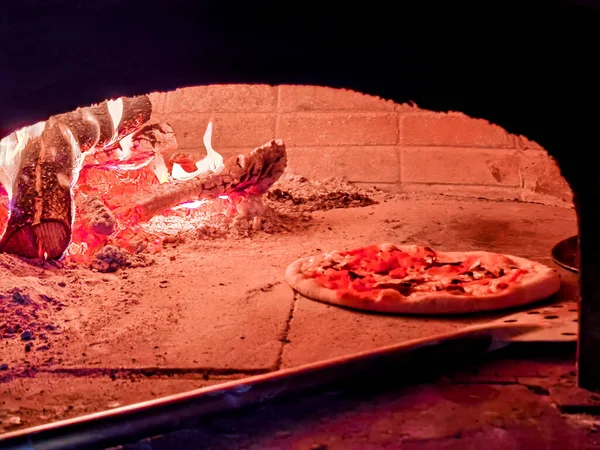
415	279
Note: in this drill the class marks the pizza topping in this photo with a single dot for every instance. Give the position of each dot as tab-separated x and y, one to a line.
404	287
441	264
453	289
354	275
416	280
410	270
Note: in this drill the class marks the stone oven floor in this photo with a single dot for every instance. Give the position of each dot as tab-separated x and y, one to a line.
215	310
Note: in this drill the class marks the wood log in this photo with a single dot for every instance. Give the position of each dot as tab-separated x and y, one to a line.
41	209
93	126
251	174
149	142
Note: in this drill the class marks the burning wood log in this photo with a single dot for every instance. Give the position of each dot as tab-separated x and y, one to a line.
147	148
40	208
102	126
47	164
246	175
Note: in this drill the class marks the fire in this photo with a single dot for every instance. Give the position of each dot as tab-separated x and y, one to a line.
212	162
196	203
77	155
10	153
158	166
191	205
112	174
126	155
115	111
130	167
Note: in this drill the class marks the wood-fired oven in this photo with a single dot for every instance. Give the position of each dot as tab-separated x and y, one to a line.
133	269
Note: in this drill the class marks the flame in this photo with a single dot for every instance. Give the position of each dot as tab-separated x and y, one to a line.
115	111
212	162
10	153
191	205
125	146
158	166
195	204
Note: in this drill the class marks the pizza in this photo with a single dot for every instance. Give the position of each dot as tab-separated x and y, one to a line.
416	279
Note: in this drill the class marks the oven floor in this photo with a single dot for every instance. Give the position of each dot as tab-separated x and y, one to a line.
215	310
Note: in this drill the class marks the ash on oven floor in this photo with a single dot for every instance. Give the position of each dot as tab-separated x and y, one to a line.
299	193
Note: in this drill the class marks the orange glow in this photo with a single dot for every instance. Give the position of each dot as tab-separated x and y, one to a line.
191	205
116	173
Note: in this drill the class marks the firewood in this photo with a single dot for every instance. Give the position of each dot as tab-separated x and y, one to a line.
149	142
244	175
41	199
92	126
40	209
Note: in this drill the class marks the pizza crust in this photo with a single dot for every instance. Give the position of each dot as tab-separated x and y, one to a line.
540	283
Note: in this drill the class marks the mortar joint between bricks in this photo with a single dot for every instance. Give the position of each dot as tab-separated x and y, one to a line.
278	112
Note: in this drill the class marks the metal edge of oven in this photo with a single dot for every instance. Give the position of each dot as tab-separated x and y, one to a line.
159	416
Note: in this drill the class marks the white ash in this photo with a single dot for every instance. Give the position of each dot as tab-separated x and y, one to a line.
223	218
97	215
286	208
111	258
27	301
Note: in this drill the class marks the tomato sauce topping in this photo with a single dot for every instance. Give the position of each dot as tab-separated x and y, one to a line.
354	275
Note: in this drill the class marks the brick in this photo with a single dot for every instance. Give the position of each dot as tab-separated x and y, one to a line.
355	164
330	129
550	200
460	166
452	129
220	98
230	130
541	176
293	98
524	143
159	101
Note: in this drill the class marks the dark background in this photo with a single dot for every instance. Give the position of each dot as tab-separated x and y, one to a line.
527	66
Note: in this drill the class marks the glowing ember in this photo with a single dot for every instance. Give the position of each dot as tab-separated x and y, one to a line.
191	205
121	189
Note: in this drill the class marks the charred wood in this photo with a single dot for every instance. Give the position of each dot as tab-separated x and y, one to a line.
41	209
93	126
149	144
251	174
158	137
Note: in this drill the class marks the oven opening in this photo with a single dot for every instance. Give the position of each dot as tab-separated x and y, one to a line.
145	239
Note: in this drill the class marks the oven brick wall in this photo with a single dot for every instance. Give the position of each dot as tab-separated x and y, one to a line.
365	139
